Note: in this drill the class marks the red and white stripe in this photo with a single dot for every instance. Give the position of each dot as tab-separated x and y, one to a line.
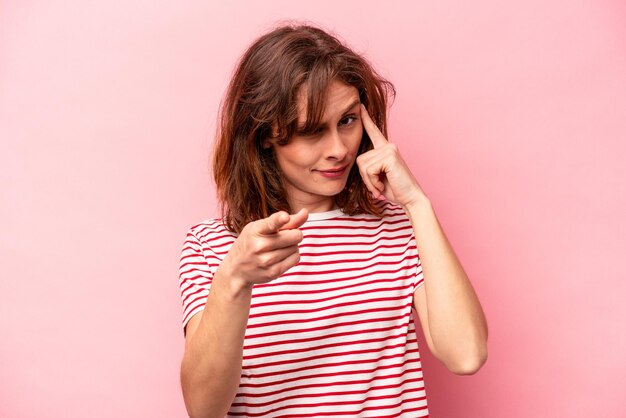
334	336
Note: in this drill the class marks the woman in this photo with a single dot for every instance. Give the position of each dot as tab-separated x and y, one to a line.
299	301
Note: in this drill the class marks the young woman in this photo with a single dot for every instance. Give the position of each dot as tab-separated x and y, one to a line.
299	301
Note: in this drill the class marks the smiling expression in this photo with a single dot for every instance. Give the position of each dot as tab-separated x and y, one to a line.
315	166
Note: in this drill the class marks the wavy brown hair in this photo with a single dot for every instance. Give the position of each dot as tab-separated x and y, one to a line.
261	102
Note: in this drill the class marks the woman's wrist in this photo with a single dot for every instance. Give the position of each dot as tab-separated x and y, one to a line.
234	285
421	201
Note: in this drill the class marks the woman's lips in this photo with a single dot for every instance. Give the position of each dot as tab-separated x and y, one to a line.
333	173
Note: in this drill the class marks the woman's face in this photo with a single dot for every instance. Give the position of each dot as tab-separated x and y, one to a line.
316	167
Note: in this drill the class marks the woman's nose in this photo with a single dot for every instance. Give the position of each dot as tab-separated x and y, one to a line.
335	145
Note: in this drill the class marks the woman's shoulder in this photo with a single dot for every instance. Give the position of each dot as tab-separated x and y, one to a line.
210	229
390	209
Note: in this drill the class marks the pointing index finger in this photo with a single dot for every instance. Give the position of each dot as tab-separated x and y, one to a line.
272	224
377	137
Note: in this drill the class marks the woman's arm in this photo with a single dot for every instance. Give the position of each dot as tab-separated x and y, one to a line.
452	319
447	303
212	363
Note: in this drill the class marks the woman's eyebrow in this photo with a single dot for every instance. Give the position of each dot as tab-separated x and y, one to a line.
348	108
354	103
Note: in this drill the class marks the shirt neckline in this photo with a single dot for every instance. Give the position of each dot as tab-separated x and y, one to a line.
319	216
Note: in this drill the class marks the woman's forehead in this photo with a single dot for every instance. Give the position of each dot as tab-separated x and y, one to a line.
338	99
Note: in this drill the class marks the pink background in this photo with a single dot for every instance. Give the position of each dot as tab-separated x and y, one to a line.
513	118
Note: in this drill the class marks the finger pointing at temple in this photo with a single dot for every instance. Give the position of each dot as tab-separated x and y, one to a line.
377	137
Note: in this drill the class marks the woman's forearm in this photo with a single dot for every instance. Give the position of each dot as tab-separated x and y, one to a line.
456	321
211	366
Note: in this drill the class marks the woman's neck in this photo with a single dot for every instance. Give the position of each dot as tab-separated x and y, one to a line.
323	206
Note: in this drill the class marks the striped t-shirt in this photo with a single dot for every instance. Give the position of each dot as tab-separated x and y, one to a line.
334	336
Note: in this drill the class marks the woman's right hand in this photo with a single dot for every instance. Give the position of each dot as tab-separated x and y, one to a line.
265	249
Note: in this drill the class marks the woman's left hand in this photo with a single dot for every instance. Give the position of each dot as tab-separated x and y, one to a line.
383	170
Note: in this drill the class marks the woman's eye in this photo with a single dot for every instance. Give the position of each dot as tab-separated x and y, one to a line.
353	118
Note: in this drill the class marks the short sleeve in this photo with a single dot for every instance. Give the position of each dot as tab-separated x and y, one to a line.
419	277
195	276
419	273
